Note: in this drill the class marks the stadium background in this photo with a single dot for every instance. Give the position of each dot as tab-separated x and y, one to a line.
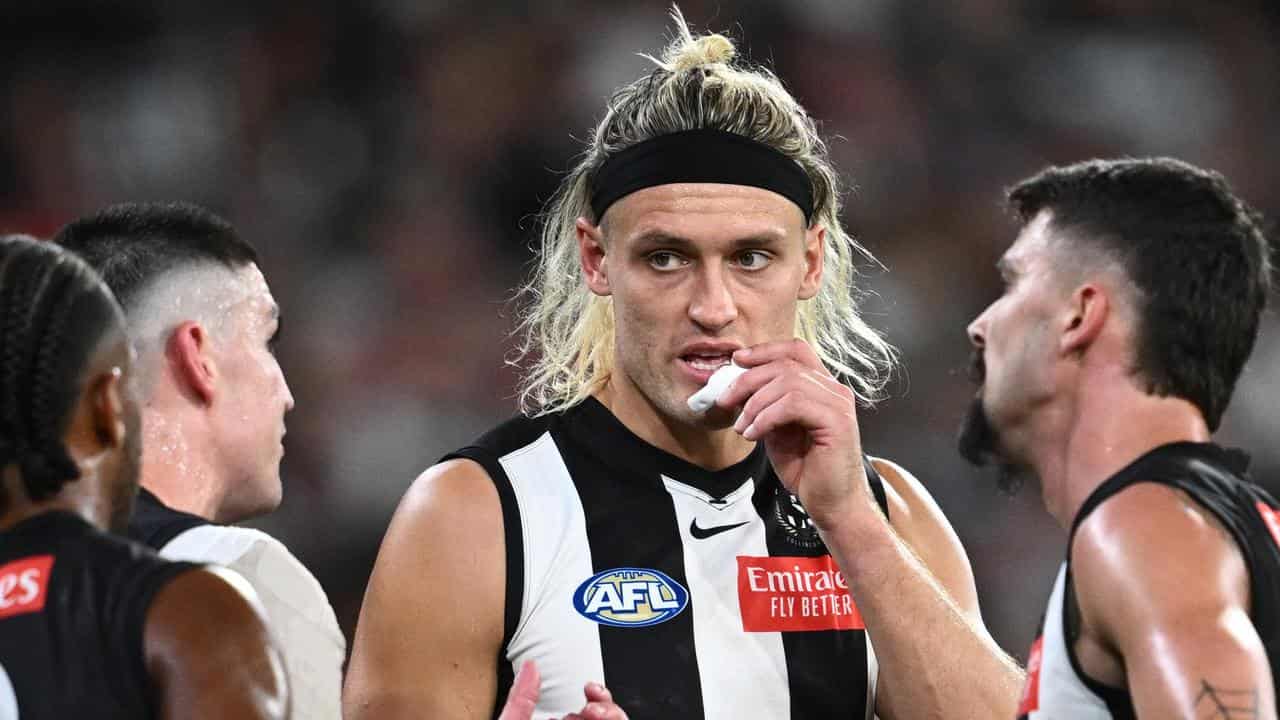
389	158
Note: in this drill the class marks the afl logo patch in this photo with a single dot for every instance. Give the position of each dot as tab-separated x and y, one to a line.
630	597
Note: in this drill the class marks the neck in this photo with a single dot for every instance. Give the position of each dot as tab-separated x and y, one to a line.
88	505
1106	430
710	447
176	470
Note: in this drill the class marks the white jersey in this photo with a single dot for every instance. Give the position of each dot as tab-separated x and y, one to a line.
298	612
1054	690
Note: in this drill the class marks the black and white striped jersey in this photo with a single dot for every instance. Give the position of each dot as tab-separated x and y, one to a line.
1212	477
689	593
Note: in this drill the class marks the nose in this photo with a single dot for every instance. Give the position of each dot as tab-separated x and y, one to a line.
977	330
288	394
713	307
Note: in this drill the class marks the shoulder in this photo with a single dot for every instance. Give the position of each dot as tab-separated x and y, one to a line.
281	581
916	517
1135	556
911	507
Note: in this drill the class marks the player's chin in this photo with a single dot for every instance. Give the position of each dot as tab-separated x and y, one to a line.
717	418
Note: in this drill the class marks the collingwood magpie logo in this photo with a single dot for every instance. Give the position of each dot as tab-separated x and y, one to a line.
794	520
630	597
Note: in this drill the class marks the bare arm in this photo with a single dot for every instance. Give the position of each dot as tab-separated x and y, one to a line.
1163	588
430	630
914	587
208	652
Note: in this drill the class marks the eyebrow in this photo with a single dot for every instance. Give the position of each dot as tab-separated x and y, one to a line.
658	238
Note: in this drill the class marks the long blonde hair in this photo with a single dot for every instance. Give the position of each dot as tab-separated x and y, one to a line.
566	346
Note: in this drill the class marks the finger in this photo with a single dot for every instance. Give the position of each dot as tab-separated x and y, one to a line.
523	697
792	408
603	711
752	380
819	391
596	692
794	349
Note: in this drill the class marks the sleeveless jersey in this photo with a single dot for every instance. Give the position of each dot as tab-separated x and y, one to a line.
1213	477
73	607
302	622
689	593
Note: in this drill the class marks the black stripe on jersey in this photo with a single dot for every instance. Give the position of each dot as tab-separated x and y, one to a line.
811	672
670	687
514	540
154	524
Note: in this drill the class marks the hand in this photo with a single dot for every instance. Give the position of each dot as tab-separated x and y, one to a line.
808	423
523	698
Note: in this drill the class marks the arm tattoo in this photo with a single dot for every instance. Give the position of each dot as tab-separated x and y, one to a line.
1215	703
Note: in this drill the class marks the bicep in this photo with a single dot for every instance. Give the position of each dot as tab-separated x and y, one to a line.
1207	664
208	651
918	520
430	629
1163	586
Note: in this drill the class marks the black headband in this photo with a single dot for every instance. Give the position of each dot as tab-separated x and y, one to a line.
700	156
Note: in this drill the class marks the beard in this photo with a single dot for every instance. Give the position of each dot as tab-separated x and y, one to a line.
978	440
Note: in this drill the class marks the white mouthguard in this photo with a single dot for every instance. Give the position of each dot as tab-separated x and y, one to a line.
701	401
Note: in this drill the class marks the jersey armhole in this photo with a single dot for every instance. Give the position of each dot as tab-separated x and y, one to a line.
513	536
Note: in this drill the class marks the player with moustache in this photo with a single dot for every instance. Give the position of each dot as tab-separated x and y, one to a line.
1131	304
746	562
91	625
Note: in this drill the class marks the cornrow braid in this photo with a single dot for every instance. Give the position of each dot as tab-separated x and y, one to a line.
54	312
48	464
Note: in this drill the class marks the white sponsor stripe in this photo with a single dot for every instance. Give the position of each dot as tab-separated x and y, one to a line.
557	558
743	675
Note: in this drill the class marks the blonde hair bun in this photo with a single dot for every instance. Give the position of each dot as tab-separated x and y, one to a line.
688	52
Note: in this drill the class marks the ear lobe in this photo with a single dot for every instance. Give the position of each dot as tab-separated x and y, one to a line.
1089	310
107	401
815	244
189	360
591	255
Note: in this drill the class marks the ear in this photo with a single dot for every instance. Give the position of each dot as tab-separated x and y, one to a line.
815	243
1088	313
591	255
190	362
106	402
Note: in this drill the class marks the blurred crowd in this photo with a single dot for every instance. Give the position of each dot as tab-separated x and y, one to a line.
389	159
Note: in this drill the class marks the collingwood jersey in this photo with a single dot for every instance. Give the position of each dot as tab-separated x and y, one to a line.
688	593
1057	687
73	607
298	611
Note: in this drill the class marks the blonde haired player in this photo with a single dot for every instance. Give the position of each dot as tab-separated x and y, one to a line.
731	564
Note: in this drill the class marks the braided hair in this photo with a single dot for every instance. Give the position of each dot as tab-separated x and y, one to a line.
54	312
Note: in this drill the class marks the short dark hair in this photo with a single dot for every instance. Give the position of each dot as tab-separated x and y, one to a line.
132	244
1196	254
54	312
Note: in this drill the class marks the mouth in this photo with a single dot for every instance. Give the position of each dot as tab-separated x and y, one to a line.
700	364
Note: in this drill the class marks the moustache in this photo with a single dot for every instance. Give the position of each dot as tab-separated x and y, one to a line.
977	368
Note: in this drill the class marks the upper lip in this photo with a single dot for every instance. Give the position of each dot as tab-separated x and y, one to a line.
710	348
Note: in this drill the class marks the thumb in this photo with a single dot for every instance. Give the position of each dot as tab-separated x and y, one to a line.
523	696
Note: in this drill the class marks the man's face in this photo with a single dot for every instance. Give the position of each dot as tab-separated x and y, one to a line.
252	397
695	272
1015	348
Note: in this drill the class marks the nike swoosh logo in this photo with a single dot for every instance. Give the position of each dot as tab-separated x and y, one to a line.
704	533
